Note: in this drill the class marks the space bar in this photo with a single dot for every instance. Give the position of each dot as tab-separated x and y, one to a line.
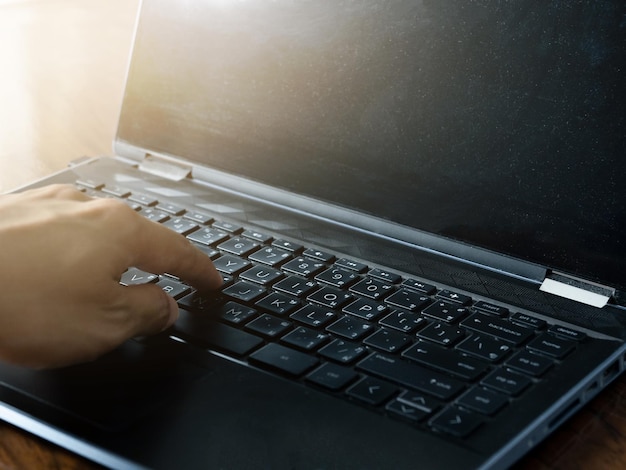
197	328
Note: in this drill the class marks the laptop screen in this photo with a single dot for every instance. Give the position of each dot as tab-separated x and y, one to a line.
499	124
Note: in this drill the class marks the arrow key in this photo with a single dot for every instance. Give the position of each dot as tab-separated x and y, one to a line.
455	421
372	391
420	400
405	411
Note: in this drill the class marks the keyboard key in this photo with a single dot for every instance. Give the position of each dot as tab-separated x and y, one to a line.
384	275
408	300
134	276
296	286
485	347
483	401
332	376
502	329
263	275
420	400
527	320
200	329
235	313
506	381
350	328
279	304
230	264
270	256
445	311
491	308
529	363
313	315
372	288
365	309
116	191
351	265
411	375
454	297
442	333
143	199
90	183
207	236
319	255
419	286
180	225
552	346
173	209
200	303
567	332
330	297
227	226
337	277
455	421
269	326
173	288
387	340
199	217
342	351
407	322
245	291
446	360
284	359
305	338
287	245
154	215
257	236
238	246
303	267
404	411
372	391
134	206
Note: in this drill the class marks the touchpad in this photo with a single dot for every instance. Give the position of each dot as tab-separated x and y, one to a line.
115	390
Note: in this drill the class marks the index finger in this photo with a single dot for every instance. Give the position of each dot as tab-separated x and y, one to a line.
158	249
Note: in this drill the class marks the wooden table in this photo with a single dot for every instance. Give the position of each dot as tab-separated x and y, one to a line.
63	68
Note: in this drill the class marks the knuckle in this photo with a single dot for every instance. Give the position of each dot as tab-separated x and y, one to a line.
61	191
109	204
111	209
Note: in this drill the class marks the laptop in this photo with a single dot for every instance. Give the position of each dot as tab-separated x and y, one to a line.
418	211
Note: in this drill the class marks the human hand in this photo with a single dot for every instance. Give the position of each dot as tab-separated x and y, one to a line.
62	254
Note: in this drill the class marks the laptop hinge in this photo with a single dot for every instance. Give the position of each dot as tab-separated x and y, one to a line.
165	168
576	289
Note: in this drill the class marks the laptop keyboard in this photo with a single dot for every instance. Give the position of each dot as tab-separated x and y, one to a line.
393	343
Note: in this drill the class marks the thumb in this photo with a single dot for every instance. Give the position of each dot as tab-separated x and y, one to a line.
151	309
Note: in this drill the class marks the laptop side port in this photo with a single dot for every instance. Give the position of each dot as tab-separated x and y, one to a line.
592	390
611	372
564	414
